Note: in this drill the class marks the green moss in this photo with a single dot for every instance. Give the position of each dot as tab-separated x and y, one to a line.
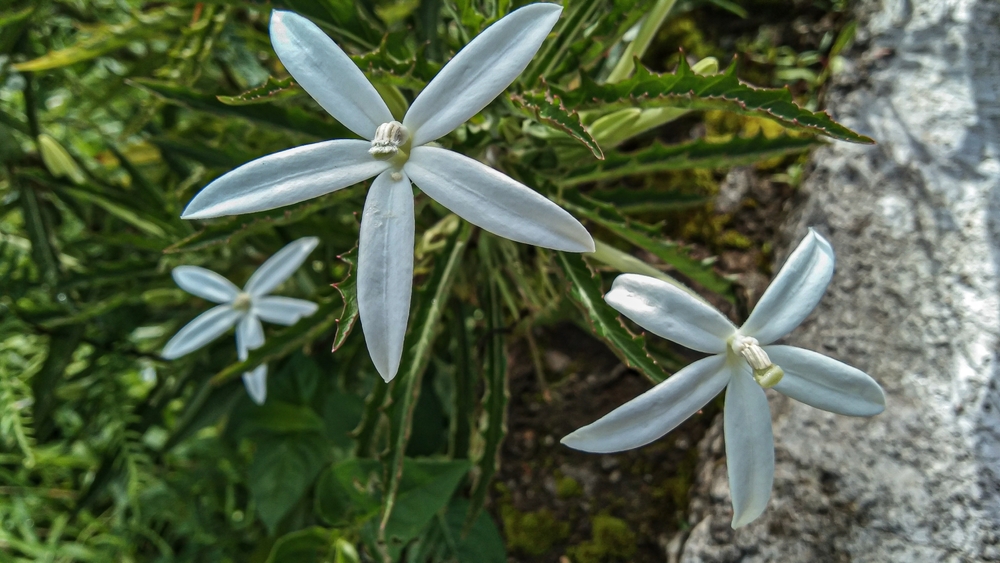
533	533
568	487
612	540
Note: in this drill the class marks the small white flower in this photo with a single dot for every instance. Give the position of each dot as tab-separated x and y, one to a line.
741	357
245	309
397	153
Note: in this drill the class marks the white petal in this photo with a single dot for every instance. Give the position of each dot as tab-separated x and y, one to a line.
479	72
795	291
249	336
656	412
283	310
256	383
286	177
327	73
749	447
205	284
825	383
205	328
385	270
670	312
494	202
280	267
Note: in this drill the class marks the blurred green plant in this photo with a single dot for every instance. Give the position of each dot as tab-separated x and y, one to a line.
114	113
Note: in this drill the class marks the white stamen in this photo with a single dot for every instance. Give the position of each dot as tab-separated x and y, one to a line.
389	139
242	302
765	373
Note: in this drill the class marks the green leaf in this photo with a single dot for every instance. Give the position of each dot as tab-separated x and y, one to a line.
346	492
274	89
311	545
229	231
103	39
549	109
277	418
608	217
479	543
585	289
348	288
292	338
120	211
432	298
283	467
288	118
687	90
648	200
695	154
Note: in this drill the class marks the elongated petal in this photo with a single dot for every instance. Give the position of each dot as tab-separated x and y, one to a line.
385	270
749	447
825	383
256	383
205	284
479	72
286	177
278	268
795	291
670	312
283	310
327	73
492	201
655	412
205	328
249	336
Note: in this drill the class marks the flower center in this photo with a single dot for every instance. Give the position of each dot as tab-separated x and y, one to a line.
242	301
391	142
765	373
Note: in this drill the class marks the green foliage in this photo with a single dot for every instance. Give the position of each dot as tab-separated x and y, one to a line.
114	113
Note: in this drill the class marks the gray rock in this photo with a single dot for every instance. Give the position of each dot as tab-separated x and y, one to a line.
915	222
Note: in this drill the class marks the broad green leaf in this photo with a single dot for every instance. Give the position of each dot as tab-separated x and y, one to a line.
346	492
278	418
479	543
288	118
687	90
493	421
431	300
608	217
272	90
550	110
311	545
102	39
58	161
585	289
283	468
684	156
287	341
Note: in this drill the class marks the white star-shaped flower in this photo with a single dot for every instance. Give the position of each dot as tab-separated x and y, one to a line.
397	154
744	362
245	309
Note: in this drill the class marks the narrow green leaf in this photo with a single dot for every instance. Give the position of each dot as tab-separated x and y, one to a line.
288	118
549	109
684	156
493	421
275	89
687	90
42	251
585	289
431	299
348	288
292	338
278	418
119	211
44	384
608	217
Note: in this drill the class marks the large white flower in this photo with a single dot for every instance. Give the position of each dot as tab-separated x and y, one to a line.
744	362
245	309
397	154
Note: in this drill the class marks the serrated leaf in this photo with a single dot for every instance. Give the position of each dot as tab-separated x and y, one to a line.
348	289
585	289
274	89
549	109
684	156
687	90
288	118
228	231
608	217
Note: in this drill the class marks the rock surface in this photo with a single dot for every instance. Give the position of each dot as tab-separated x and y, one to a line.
915	302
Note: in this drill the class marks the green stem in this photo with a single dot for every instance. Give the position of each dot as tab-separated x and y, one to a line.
637	48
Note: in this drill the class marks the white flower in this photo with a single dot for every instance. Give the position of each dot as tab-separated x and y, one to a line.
741	357
395	154
245	309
